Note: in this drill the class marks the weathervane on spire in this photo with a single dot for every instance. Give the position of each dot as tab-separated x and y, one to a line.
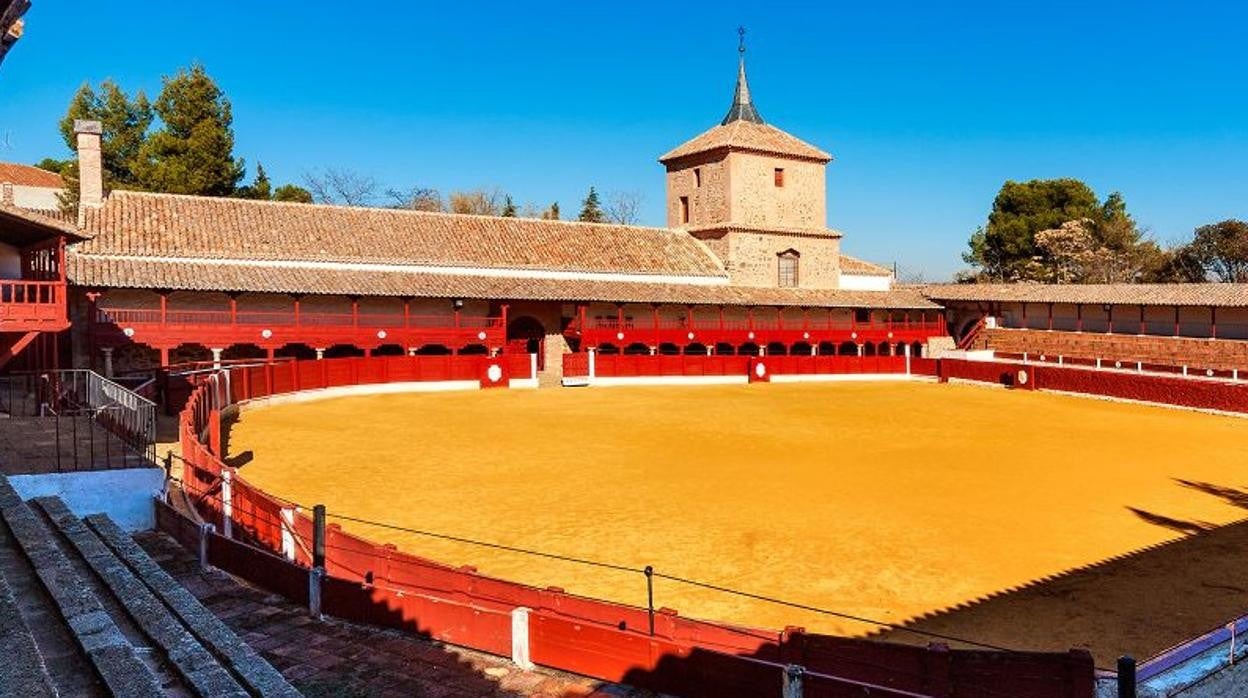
742	108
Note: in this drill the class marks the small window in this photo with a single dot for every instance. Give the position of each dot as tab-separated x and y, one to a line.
779	176
684	209
697	176
787	276
862	316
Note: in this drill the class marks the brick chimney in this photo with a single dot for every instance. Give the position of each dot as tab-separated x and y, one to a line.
90	162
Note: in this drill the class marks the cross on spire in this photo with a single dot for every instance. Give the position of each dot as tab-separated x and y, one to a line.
742	108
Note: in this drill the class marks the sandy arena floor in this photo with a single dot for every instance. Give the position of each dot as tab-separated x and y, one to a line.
889	501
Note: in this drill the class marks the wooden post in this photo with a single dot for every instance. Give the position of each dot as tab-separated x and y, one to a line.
1079	317
1143	327
1213	321
355	311
164	303
1050	317
233	309
1176	321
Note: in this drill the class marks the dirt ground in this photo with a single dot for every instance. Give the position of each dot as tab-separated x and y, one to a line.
959	509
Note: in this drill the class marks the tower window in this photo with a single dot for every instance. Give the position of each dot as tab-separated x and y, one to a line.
697	176
787	268
779	176
684	209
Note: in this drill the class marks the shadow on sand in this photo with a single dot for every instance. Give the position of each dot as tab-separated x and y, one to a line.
1139	603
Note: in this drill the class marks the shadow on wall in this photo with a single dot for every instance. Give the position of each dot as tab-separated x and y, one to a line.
1139	603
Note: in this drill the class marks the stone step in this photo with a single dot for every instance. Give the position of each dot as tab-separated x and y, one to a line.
256	674
67	665
22	673
197	667
113	656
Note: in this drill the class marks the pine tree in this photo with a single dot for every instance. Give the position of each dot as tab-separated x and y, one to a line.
552	213
260	188
125	122
509	208
193	152
293	193
591	209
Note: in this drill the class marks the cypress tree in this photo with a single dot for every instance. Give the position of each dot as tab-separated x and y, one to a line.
591	209
509	208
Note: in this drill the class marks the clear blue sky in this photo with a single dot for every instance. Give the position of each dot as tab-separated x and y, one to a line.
927	107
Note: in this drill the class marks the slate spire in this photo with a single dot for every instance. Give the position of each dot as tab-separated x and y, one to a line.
742	108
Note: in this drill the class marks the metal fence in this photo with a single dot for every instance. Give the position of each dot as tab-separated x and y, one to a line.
122	414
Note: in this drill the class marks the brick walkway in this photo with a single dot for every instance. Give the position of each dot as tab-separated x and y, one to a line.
335	658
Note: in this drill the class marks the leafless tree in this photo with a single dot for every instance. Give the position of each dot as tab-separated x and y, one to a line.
341	186
480	202
417	199
624	207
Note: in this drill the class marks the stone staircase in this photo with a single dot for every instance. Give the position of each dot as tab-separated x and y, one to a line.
85	612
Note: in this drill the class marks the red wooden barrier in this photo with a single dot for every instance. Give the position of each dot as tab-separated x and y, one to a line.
378	584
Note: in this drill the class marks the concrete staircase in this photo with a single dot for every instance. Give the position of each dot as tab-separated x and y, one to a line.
84	611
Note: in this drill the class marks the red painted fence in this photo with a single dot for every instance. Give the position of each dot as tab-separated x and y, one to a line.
378	584
642	365
1200	393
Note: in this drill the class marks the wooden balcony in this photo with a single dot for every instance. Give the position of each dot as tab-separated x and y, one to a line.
32	306
168	328
810	330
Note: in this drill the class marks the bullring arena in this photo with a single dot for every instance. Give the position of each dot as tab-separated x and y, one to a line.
522	456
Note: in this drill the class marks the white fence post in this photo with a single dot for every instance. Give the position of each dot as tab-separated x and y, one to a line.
533	366
906	351
288	533
591	365
227	503
520	638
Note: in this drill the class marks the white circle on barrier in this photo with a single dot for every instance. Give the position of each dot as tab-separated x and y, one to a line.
619	335
750	335
890	335
760	370
494	373
690	335
853	335
266	333
1043	357
1022	377
481	335
381	334
1209	372
129	331
805	335
1117	364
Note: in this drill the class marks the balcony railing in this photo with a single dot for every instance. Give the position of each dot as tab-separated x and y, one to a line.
32	302
126	317
737	324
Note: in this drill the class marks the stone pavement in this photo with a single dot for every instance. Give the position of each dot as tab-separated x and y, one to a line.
336	658
33	445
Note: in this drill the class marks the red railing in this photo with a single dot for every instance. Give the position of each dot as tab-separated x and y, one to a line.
269	545
32	303
641	365
222	328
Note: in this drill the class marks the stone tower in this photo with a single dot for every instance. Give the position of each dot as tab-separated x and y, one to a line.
757	196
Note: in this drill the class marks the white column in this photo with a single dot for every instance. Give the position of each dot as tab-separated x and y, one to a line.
108	361
320	353
710	349
654	350
216	357
227	503
906	351
814	350
762	350
591	365
532	365
859	350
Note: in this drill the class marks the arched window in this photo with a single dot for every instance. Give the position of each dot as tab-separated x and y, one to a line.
787	269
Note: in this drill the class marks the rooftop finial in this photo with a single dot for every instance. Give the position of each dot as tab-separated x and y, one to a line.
742	108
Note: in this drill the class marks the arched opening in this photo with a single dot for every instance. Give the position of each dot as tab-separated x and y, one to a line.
433	350
474	350
668	349
637	349
129	358
884	349
389	350
847	349
801	349
237	352
916	349
188	353
725	349
695	348
603	349
301	352
777	349
343	351
526	335
748	349
868	349
827	348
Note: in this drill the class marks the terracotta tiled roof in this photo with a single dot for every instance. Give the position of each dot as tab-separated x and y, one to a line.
86	270
853	265
29	176
1224	295
43	221
167	225
748	136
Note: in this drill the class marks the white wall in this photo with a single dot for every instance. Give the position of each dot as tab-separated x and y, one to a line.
36	197
124	495
856	282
